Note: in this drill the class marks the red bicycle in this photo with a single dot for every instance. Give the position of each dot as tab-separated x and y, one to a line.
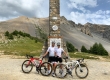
45	68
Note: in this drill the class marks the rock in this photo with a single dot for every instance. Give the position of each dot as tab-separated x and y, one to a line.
106	34
86	30
72	23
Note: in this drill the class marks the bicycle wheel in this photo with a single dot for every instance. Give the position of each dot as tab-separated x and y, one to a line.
82	71
27	66
46	69
60	71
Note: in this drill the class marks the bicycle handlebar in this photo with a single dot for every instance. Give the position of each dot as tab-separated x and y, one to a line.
65	59
42	58
79	60
29	56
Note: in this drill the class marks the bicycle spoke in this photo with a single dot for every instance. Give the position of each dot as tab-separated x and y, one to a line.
82	71
60	71
26	66
46	69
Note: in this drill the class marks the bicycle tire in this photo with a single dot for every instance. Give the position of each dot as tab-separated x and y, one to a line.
44	69
60	74
83	66
27	68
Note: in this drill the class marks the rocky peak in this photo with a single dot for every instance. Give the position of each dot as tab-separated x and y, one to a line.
86	30
63	20
72	23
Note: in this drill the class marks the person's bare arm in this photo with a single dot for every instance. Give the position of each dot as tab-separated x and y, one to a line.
65	53
45	54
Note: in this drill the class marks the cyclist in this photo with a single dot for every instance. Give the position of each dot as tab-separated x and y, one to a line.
51	59
58	55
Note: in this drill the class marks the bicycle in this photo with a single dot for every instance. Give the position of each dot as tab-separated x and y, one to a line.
41	66
81	70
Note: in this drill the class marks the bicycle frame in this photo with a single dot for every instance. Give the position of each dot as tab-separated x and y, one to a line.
72	64
67	68
40	66
33	60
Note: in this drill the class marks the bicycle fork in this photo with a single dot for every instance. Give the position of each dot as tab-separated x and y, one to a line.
80	68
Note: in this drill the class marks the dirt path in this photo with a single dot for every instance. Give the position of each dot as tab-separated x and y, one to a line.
10	69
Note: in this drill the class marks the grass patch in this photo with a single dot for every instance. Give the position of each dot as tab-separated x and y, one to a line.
83	55
107	57
21	47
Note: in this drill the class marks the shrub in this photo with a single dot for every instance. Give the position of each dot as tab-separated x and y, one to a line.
101	50
15	32
90	51
95	49
20	33
7	33
36	41
98	49
70	47
83	49
10	37
27	35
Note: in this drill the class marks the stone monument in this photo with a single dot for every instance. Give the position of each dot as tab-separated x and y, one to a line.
54	26
54	22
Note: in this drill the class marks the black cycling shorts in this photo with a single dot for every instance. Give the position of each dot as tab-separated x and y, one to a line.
51	59
58	59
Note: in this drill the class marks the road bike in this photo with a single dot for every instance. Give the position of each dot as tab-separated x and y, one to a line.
45	68
81	69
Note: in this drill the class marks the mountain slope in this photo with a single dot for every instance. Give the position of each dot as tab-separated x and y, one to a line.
21	24
69	30
78	39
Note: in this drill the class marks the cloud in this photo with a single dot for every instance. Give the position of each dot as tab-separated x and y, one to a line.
81	4
40	8
15	8
98	17
108	1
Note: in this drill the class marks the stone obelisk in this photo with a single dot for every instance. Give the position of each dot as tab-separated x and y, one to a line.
54	26
54	22
54	18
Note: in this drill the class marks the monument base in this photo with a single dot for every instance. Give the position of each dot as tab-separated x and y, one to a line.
57	39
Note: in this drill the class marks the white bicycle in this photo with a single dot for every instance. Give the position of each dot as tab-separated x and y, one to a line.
81	69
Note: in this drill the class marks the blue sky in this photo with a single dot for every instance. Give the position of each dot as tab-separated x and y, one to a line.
79	11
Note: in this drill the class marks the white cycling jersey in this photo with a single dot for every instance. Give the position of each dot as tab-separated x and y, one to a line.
59	51
51	51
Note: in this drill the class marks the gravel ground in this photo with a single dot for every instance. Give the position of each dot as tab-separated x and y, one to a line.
10	69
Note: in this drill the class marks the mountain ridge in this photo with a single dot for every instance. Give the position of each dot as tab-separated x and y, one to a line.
77	34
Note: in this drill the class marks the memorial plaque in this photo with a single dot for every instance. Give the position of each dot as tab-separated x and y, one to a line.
56	41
